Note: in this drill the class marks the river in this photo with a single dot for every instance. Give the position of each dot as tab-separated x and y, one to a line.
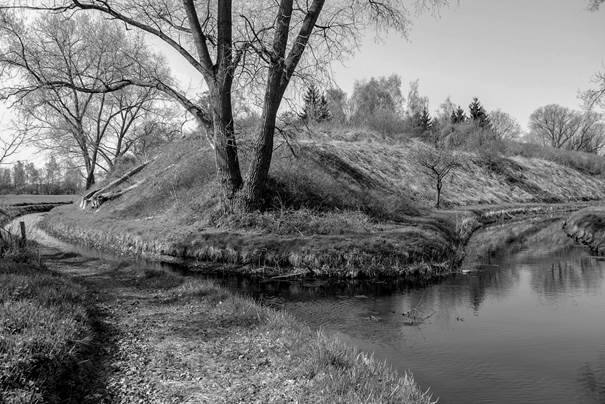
527	326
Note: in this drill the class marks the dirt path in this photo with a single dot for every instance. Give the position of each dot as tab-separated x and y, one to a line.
157	344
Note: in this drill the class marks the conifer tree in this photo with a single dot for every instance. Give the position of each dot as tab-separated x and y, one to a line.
458	116
324	109
478	114
316	106
423	121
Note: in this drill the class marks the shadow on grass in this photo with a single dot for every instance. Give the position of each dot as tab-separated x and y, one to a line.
84	378
56	342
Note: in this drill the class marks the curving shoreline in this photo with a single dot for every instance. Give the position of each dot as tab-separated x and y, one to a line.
270	255
587	227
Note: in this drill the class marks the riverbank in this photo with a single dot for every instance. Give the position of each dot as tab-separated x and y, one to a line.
587	227
340	209
423	249
151	335
12	206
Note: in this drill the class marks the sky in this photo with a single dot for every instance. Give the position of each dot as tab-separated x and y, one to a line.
515	55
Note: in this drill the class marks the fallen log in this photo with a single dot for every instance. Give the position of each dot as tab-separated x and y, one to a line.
92	197
102	198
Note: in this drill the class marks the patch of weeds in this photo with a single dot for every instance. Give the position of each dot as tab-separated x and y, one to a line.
300	222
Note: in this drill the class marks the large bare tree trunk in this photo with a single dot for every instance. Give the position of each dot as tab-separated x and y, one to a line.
90	178
225	147
227	162
281	70
252	194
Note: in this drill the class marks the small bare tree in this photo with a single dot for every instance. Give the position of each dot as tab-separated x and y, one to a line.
438	163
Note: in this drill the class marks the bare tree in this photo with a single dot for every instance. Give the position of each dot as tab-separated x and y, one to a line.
10	143
269	42
504	125
590	135
11	139
564	128
127	116
595	96
82	52
438	163
554	125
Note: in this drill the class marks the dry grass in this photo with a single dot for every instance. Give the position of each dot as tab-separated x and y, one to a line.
43	326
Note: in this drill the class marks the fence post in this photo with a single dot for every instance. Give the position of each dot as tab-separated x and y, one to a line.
23	237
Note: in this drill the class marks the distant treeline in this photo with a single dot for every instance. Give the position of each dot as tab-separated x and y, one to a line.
51	179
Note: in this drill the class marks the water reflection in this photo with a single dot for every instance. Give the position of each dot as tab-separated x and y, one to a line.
575	274
522	329
591	377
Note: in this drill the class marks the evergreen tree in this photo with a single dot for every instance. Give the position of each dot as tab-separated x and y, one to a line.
458	116
422	120
478	114
316	106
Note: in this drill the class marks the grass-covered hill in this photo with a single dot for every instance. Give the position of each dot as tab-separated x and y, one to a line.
350	207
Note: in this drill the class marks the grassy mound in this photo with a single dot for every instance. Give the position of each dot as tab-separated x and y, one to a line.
332	207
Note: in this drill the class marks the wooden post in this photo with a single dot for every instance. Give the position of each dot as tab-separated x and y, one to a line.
23	237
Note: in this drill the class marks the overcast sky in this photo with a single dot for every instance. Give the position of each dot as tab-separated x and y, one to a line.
515	55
